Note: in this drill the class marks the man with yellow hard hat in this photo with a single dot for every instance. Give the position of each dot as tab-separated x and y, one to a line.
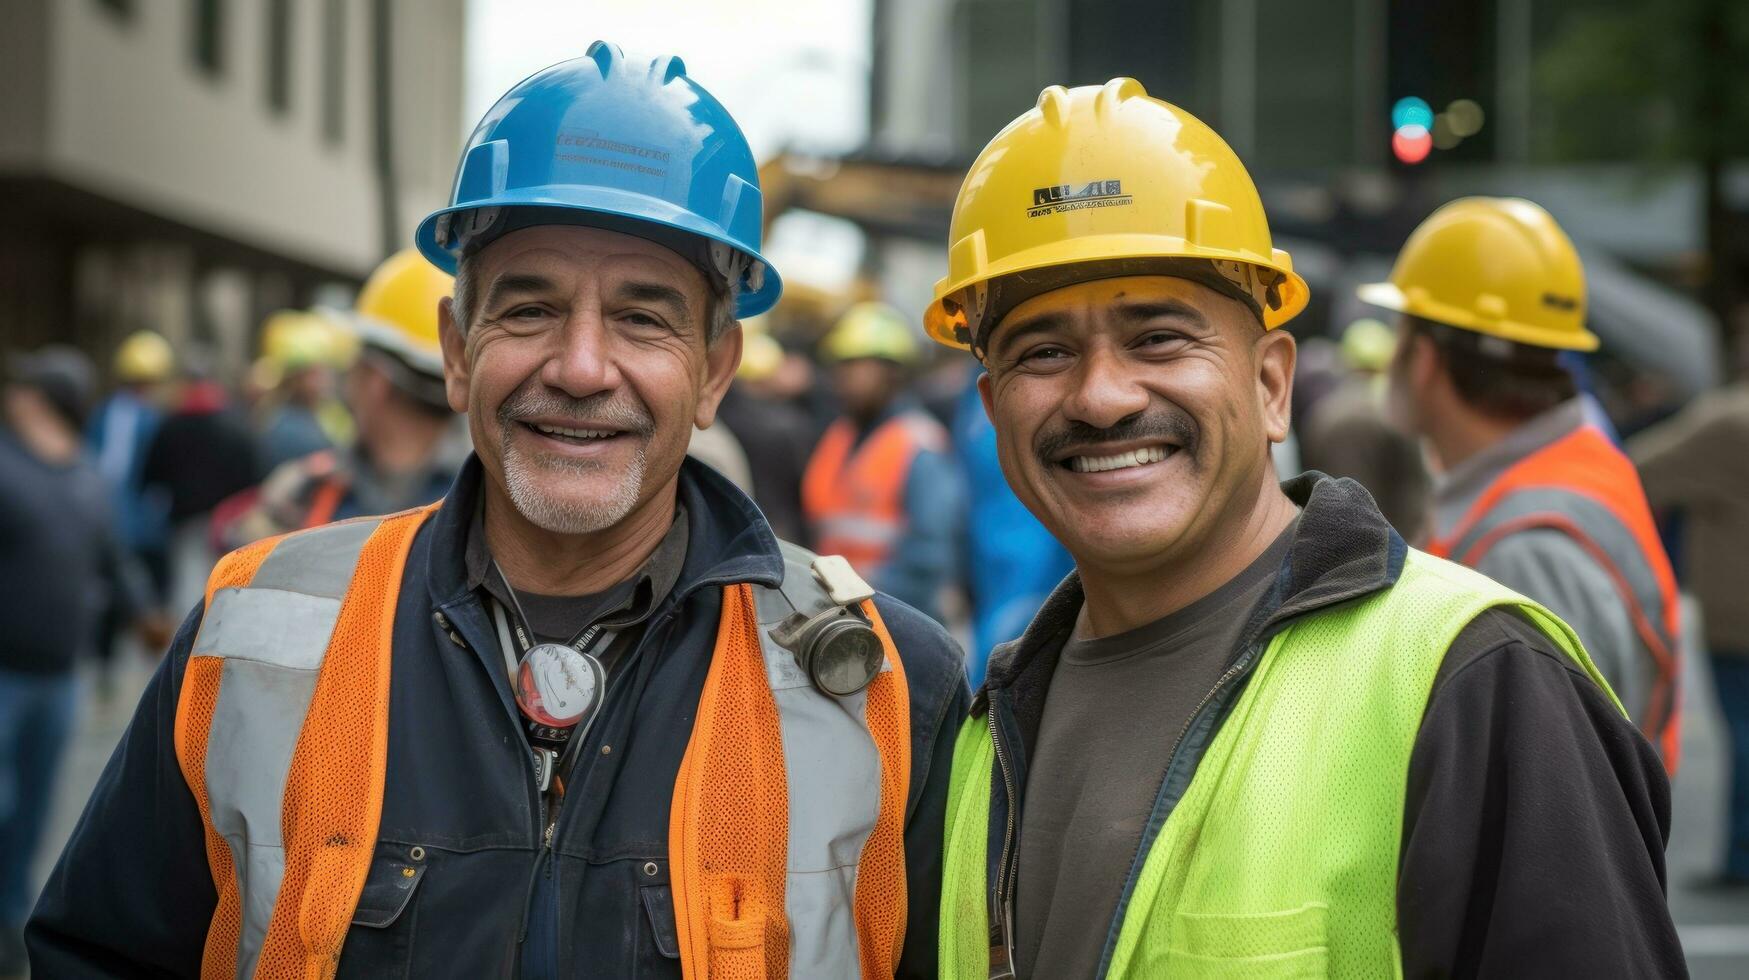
881	489
120	435
300	413
395	391
774	433
1255	734
1490	294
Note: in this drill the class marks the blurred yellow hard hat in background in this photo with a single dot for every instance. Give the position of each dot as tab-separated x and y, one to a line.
1499	266
1099	174
296	339
870	329
761	354
1367	345
397	309
144	357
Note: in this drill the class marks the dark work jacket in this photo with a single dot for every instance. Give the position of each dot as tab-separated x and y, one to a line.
132	895
1535	816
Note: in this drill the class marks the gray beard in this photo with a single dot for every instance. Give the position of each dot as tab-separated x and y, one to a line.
567	516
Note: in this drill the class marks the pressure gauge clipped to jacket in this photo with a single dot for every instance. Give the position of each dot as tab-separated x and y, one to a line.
832	641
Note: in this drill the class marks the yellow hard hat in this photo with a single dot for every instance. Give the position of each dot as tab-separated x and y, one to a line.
295	339
1500	266
397	309
870	329
1104	173
761	356
1367	345
145	356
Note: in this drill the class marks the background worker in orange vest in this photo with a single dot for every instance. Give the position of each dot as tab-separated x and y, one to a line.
588	718
409	446
1490	293
881	489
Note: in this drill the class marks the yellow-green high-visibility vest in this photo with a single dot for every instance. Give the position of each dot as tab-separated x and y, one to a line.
1280	859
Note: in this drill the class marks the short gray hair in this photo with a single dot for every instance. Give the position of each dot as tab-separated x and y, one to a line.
719	303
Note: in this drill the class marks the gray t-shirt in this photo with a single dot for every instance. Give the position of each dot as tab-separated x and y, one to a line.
1115	708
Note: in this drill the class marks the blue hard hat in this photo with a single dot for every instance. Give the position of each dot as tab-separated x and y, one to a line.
636	148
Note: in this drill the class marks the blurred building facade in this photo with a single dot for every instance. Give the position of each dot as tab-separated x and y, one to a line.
189	166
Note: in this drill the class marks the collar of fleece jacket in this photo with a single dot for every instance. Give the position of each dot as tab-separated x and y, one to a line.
1342	549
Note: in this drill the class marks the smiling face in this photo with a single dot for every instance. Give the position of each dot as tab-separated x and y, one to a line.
1133	416
583	369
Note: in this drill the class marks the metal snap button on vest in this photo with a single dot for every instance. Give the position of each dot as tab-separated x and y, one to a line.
607	750
650	868
417	853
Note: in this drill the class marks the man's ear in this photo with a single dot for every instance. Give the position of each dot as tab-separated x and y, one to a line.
721	360
455	355
1276	355
985	396
1424	367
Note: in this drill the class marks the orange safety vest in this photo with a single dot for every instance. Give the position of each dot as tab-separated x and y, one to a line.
786	831
854	495
1584	487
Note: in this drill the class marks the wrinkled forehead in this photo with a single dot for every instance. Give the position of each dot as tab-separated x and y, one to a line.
566	254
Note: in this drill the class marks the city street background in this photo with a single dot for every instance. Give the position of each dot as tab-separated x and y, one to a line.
226	175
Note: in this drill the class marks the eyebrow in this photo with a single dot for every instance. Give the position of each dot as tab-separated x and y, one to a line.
513	283
1030	326
1132	310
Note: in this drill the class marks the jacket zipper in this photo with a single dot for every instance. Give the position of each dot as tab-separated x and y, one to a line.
1239	668
1003	926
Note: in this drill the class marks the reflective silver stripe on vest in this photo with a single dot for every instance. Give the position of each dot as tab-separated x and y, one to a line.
859	528
1639	678
272	635
833	771
1600	525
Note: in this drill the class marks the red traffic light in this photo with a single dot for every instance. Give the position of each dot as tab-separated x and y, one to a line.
1412	143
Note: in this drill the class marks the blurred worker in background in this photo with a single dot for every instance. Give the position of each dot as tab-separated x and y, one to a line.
1254	734
1011	561
626	732
881	489
121	432
1696	468
1489	293
119	436
405	454
203	453
297	419
1348	432
61	566
775	435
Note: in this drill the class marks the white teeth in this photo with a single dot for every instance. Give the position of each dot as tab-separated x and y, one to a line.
553	430
1121	461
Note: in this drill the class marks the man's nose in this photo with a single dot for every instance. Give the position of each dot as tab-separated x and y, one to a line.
1105	391
582	364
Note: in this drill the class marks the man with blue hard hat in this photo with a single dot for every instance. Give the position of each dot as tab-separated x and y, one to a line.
584	717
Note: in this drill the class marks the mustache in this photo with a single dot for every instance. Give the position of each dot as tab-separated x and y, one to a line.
1166	423
607	410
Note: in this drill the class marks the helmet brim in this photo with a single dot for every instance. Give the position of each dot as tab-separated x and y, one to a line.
1092	251
1388	295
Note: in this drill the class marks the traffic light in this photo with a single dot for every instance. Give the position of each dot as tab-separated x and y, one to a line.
1412	143
1416	131
1411	122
